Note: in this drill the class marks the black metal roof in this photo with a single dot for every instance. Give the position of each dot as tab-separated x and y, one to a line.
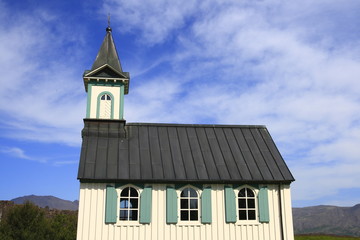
144	152
107	54
107	66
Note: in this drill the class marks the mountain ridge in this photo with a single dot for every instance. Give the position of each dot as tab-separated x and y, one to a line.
48	201
327	219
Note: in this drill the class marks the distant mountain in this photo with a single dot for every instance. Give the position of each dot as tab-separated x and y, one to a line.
48	201
327	219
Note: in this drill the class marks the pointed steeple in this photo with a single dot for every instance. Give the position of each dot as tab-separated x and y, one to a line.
107	66
107	53
106	83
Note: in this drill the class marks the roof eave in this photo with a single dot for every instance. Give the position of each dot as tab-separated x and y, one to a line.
187	181
123	77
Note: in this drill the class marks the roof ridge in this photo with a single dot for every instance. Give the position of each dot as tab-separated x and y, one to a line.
193	125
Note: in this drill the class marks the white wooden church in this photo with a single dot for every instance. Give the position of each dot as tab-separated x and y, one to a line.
151	181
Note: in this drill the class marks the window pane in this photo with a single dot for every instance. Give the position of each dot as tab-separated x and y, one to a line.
241	193
108	97
133	215
125	192
184	203
185	193
124	203
103	97
250	193
251	214
251	203
242	203
192	192
123	215
133	192
193	203
184	215
134	202
193	215
242	215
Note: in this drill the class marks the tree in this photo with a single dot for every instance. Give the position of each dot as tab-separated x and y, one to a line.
63	226
25	222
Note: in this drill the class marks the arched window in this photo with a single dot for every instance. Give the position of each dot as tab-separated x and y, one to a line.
189	205
129	204
246	204
105	106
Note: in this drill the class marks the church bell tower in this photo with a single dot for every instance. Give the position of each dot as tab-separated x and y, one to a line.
106	83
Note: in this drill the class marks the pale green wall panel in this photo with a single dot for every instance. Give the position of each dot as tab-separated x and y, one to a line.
230	205
206	205
146	205
88	105
121	110
171	205
263	205
110	204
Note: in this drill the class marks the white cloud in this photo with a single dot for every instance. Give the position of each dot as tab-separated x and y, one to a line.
62	163
288	65
40	83
144	15
19	153
291	65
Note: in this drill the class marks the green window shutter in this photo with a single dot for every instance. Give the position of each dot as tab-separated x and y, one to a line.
230	205
110	204
263	205
171	205
145	205
206	205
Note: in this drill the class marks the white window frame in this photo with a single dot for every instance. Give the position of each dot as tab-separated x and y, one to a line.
242	222
189	222
127	222
104	112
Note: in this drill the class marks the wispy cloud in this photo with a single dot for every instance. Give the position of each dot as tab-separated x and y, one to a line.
62	163
42	97
19	153
291	65
288	65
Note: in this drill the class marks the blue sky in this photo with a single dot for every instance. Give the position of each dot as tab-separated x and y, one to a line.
293	66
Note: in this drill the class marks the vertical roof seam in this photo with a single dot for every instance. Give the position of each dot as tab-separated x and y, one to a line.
151	164
191	153
261	153
201	153
241	152
212	155
171	160
221	152
231	152
96	151
276	163
252	154
160	153
180	150
138	147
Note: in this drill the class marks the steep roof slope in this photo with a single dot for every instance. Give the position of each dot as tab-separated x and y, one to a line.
115	151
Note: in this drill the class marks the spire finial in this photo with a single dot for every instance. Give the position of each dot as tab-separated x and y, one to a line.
108	29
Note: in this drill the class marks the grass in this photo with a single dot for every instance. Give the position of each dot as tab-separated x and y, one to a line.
323	237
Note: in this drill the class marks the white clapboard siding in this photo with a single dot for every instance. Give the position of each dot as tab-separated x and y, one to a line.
92	213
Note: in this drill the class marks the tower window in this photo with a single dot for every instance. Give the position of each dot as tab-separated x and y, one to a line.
105	106
105	97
